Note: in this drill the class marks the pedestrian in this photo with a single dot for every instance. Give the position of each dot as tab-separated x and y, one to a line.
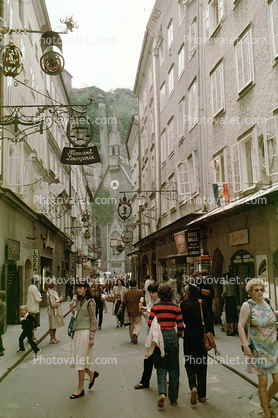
69	286
131	300
195	356
3	313
54	310
118	292
204	282
148	281
261	345
127	281
99	299
84	334
168	316
229	294
33	301
28	324
148	362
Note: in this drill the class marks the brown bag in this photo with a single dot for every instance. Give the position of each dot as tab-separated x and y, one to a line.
208	340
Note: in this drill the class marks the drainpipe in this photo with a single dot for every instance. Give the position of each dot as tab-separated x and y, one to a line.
156	80
202	117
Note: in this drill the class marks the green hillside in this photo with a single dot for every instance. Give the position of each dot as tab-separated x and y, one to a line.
126	107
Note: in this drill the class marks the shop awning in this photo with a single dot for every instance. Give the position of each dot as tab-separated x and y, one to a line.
257	198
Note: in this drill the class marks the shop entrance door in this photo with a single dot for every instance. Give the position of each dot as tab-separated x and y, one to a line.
242	270
13	293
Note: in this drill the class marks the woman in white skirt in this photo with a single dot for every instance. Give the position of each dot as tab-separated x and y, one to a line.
54	310
83	339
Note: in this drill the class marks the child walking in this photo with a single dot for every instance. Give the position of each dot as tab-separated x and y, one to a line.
28	323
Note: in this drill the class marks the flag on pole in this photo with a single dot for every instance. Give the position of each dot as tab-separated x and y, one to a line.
221	193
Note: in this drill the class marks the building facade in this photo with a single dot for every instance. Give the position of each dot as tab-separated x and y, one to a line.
42	200
207	89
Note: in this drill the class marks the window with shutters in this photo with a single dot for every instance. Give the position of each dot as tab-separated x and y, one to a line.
162	52
170	136
213	15
245	162
193	172
42	199
192	39
273	18
162	96
164	201
181	11
180	119
219	164
15	167
269	146
170	33
244	60
192	105
181	61
163	147
171	80
183	181
217	90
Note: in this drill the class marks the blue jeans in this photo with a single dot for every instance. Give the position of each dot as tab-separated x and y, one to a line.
169	363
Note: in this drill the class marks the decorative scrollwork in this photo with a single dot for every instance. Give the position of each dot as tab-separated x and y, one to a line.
70	24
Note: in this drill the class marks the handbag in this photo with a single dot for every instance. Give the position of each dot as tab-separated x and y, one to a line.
71	327
208	339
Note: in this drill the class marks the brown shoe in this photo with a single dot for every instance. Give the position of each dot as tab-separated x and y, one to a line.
134	339
193	397
160	401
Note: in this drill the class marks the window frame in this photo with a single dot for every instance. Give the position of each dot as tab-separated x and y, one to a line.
213	83
163	143
170	33
181	60
243	161
180	116
171	79
212	22
191	48
16	167
239	43
193	172
183	181
161	51
162	96
170	136
192	98
274	49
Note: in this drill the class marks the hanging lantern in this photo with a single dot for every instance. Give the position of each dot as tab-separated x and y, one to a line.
87	234
12	60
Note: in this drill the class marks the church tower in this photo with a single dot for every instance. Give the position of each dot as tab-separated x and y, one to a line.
114	145
103	133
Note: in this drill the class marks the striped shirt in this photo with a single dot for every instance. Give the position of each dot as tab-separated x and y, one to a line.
168	315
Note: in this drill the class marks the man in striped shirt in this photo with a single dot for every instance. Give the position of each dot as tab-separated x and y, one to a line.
168	316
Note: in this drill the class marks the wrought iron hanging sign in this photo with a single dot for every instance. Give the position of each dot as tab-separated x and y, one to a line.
124	208
12	60
51	62
127	234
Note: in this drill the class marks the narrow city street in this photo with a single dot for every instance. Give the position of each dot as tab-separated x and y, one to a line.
41	388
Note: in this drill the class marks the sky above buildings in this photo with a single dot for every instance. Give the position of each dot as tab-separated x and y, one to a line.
104	51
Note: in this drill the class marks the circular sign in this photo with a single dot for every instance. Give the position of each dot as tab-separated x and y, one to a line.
114	184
